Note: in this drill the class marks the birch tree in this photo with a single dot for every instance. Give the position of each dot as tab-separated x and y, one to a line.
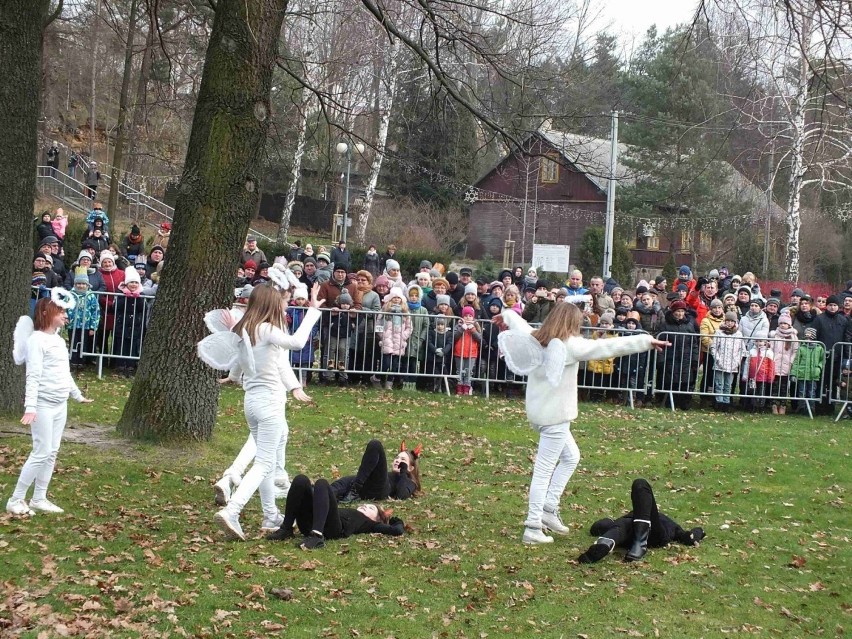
799	53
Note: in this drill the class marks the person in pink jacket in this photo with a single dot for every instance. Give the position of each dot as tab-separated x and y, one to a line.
784	348
59	224
396	329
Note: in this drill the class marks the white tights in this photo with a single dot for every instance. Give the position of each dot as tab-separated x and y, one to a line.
47	435
555	462
269	430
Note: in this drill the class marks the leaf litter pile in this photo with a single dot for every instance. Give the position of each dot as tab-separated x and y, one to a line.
137	555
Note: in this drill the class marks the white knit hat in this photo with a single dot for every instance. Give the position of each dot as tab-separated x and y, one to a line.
300	292
107	255
130	274
470	288
394	292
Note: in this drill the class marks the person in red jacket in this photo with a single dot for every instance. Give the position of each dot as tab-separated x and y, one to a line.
467	336
684	276
700	297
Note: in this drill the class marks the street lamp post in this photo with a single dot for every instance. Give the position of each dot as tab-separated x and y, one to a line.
344	148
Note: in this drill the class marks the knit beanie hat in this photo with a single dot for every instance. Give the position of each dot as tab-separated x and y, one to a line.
442	299
713	275
659	279
425	264
685	270
495	301
716	303
382	280
682	287
452	278
785	318
80	277
394	292
300	292
434	273
605	320
130	275
468	311
344	298
310	259
250	264
134	230
773	300
107	255
833	299
470	288
622	310
810	333
324	256
730	316
84	255
391	265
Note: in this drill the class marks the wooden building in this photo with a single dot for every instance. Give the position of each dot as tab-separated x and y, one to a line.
556	188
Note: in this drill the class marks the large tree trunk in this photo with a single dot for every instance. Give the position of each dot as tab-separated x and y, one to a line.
174	395
22	24
121	125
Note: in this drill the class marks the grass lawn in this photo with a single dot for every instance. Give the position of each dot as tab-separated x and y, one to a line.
137	554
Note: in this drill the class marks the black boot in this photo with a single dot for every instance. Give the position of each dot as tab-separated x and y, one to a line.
641	530
597	551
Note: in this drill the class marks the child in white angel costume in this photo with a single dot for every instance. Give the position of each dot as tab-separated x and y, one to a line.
254	350
38	344
550	357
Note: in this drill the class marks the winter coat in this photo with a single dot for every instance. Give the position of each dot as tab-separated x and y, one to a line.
809	362
709	326
257	255
537	312
365	323
92	177
373	264
698	303
761	364
331	290
131	247
681	358
649	318
466	342
59	225
395	338
341	257
439	347
111	281
785	350
416	346
602	366
45	229
96	281
830	328
131	318
754	328
802	320
430	301
86	314
339	324
728	351
305	356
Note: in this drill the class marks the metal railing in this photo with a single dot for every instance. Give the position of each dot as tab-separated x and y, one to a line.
752	370
424	350
840	391
75	192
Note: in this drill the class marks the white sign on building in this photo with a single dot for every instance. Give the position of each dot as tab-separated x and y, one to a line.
553	258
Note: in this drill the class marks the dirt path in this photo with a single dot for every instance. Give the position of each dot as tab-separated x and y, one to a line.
97	435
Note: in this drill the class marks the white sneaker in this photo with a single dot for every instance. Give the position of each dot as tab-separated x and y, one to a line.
222	491
553	522
18	507
44	506
536	536
230	525
273	523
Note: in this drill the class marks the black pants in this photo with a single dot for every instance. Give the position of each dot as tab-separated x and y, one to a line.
312	508
645	508
371	481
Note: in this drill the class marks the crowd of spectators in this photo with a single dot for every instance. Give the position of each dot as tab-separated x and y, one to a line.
384	327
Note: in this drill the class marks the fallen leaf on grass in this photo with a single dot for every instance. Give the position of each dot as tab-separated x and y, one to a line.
797	562
284	594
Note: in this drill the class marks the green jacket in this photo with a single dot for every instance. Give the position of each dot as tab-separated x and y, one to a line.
809	362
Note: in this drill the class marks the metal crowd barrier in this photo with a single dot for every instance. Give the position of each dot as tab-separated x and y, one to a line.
741	368
368	346
120	323
840	391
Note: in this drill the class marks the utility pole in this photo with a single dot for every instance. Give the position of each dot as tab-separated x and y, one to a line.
770	181
610	198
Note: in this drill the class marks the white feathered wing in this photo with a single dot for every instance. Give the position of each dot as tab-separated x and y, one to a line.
23	329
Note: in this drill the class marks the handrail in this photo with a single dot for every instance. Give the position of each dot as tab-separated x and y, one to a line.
136	196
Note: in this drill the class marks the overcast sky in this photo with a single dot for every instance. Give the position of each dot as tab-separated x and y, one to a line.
630	19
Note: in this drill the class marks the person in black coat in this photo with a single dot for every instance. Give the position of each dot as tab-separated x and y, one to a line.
341	257
131	318
679	364
44	228
373	481
642	527
314	510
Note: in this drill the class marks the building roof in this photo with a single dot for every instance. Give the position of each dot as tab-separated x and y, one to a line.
592	156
